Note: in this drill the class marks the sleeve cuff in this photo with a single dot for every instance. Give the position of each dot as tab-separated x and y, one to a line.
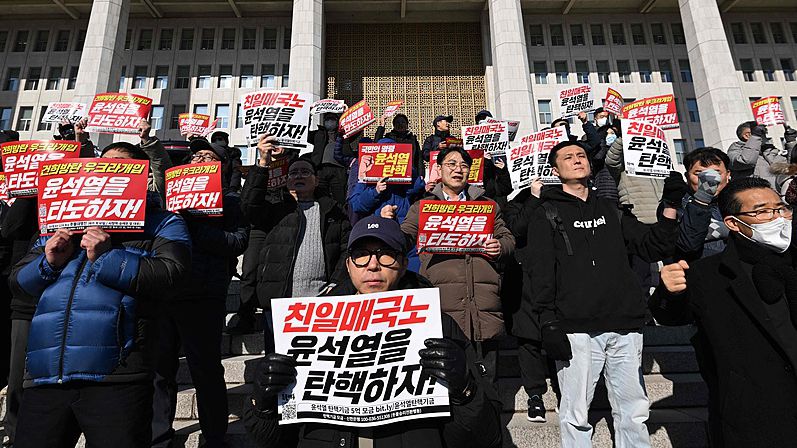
46	270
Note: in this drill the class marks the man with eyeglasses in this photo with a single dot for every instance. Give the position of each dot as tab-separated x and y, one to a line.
376	262
743	302
469	284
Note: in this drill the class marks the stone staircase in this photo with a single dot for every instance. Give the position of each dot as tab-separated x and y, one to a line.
677	394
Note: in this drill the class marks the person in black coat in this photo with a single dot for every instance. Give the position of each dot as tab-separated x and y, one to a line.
332	174
401	134
744	304
433	142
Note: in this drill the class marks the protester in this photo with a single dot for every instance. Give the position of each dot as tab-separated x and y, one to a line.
194	320
640	194
602	180
332	173
231	159
589	300
100	380
401	134
437	140
743	302
159	160
482	115
753	154
376	263
469	284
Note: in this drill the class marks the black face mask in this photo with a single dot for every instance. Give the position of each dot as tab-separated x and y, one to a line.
220	141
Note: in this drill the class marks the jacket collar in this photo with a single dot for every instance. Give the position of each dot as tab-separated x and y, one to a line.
473	192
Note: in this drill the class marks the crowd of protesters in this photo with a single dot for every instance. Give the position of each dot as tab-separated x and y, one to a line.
573	271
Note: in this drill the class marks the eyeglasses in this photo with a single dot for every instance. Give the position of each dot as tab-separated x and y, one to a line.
300	173
454	165
362	257
767	214
203	158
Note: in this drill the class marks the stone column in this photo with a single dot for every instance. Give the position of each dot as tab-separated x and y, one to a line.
719	94
510	61
307	30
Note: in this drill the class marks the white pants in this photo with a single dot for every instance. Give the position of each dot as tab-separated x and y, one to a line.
619	357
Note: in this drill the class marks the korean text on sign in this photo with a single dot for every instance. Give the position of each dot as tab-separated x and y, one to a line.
768	112
458	227
391	108
191	123
278	173
117	113
356	118
511	126
280	113
72	112
573	100
80	193
328	106
645	149
386	160
659	110
528	158
475	175
613	103
195	188
21	162
492	138
357	357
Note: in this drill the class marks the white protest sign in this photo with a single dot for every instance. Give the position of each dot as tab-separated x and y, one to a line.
528	157
573	100
492	138
328	106
280	113
72	112
645	150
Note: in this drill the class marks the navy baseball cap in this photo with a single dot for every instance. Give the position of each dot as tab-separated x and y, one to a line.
386	230
448	118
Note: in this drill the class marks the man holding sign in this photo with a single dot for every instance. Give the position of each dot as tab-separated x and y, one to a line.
754	153
376	263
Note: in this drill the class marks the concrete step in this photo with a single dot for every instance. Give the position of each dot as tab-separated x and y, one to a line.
237	369
245	344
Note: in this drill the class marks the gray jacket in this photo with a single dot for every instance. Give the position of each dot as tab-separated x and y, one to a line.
747	159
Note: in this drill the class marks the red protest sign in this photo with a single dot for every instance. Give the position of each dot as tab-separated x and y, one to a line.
80	193
459	227
278	173
195	188
4	189
356	118
613	103
453	141
475	175
117	113
385	160
21	162
659	110
196	124
391	108
768	112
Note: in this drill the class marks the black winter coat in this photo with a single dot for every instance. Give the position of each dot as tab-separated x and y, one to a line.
20	229
404	137
475	424
332	177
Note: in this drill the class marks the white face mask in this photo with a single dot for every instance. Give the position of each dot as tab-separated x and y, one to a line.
775	234
601	121
610	138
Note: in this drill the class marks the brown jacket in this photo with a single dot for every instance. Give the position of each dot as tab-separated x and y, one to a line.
469	284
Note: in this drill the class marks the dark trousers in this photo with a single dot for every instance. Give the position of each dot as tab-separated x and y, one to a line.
16	374
488	351
110	415
5	341
257	239
196	326
533	367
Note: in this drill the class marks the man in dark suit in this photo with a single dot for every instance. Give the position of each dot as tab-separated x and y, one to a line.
744	304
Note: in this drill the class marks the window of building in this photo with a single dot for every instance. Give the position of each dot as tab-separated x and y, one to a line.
140	77
32	81
624	71
286	39
183	78
596	31
122	77
81	40
793	27
768	68
267	75
562	73
208	38
225	77
247	78
156	117
778	35
128	38
42	37
5	117
166	39
239	117
757	30
788	69
739	36
54	78
748	71
544	109
557	35
699	143
582	72
541	72
686	70
187	39
177	109
248	39
536	38
44	125
657	31
638	34
286	71
602	67
201	109
694	113
72	81
25	119
3	41
161	77
223	115
269	38
61	41
665	70
144	40
645	71
12	80
678	37
21	42
618	34
680	149
793	105
577	35
228	39
203	77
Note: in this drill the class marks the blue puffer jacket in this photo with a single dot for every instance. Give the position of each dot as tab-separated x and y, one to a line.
93	321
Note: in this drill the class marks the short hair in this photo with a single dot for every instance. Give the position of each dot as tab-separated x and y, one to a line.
706	157
399	118
306	160
458	149
128	148
565	144
728	201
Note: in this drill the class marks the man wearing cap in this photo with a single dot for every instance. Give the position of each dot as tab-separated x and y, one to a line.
437	140
376	263
469	284
232	155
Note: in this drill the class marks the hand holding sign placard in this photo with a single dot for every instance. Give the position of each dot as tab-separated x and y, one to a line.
391	161
659	110
528	158
768	112
356	118
117	113
282	114
455	227
613	103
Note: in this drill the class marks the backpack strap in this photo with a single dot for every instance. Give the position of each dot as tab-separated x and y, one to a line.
552	213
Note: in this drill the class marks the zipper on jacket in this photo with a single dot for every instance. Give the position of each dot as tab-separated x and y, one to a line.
78	274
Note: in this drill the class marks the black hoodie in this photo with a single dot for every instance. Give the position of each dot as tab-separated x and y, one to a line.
594	289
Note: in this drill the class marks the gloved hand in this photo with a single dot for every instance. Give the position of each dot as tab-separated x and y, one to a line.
708	181
555	342
273	374
759	131
790	134
445	359
674	190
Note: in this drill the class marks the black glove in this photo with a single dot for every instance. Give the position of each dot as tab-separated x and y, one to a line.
555	342
273	374
790	134
674	190
759	131
445	359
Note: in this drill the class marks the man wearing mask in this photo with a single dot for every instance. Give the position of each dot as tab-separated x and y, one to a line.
743	301
231	161
753	154
482	115
437	141
332	174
